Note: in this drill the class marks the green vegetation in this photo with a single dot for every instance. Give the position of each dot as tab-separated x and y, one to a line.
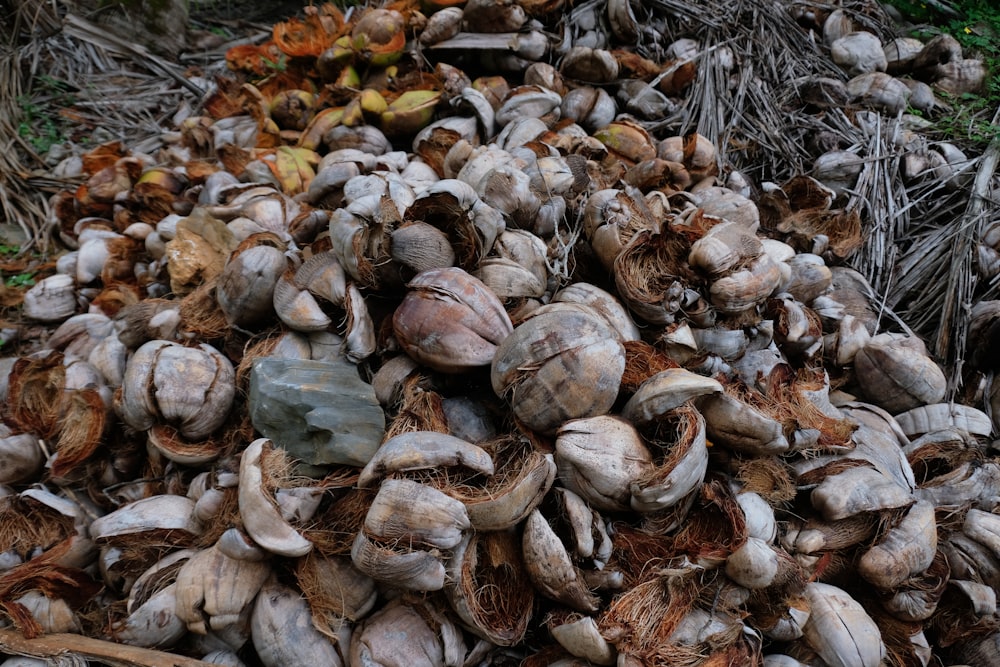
17	278
20	280
976	25
39	126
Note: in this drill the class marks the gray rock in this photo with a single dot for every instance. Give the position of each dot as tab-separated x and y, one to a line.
321	413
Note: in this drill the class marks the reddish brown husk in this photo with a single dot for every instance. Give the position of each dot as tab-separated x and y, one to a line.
82	427
35	395
642	361
496	586
45	575
715	528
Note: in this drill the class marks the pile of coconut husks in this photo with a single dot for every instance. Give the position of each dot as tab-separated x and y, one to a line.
507	333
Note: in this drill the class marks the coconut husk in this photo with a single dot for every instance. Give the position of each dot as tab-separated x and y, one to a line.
26	525
45	575
202	316
420	410
495	587
642	361
35	390
769	477
334	527
81	430
640	621
715	528
227	516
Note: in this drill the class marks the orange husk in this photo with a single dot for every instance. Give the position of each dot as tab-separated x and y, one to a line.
103	156
309	38
82	426
115	297
35	395
804	192
123	253
199	170
234	159
678	77
548	655
290	79
435	147
642	361
247	58
225	101
656	174
773	207
715	528
634	66
744	651
151	202
639	554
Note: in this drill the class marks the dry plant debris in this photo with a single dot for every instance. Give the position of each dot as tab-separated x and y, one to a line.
609	333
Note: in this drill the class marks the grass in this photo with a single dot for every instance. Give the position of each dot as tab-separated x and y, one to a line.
39	126
975	24
16	278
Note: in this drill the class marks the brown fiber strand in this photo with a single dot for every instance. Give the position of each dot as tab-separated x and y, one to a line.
496	586
202	315
420	410
83	423
642	361
26	525
35	393
334	527
769	477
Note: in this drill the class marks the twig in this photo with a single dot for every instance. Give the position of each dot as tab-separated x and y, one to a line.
85	30
109	653
954	326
